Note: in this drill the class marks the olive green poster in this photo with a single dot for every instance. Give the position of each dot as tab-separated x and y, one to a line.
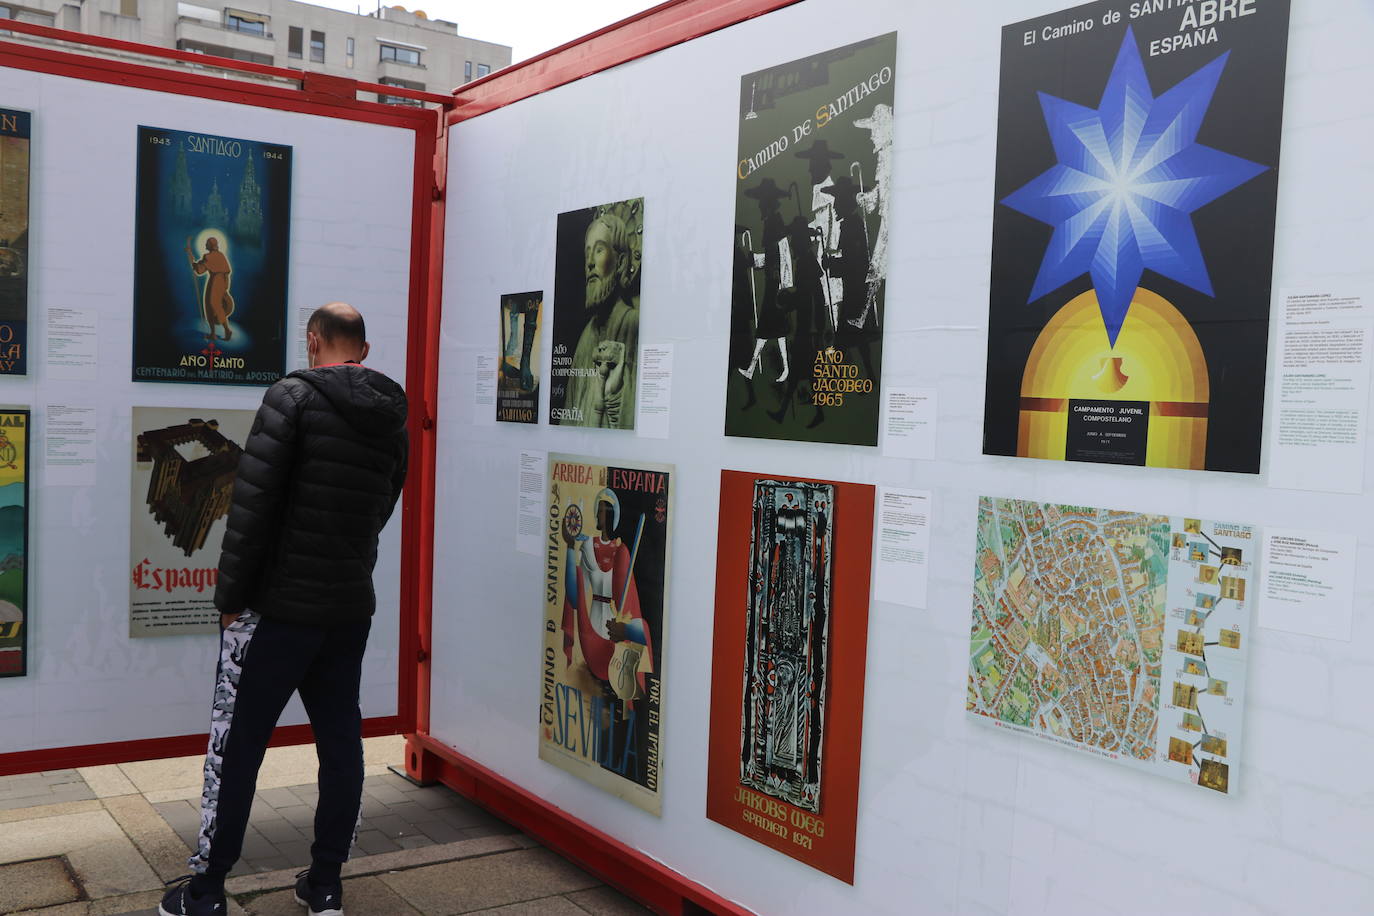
813	177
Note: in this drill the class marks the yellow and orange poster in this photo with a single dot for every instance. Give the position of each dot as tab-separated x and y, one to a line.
14	542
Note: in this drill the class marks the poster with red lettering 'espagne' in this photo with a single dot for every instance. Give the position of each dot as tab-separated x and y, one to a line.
787	678
184	463
605	611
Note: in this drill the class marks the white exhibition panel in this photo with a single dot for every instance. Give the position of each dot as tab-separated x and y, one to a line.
954	816
88	682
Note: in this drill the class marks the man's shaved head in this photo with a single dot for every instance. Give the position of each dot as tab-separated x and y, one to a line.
338	324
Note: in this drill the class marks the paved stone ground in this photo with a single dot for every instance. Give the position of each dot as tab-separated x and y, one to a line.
396	815
108	837
50	788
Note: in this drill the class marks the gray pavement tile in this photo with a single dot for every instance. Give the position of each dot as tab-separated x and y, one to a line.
389	824
386	794
414	841
544	906
373	842
279	832
607	901
374	808
396	782
296	852
489	881
36	883
307	794
440	832
299	815
412	813
465	817
365	896
279	798
433	798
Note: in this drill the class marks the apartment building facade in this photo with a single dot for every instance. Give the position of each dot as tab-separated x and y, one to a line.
390	45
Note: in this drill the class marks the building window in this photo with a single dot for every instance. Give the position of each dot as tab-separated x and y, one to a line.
348	46
401	55
483	70
240	22
317	46
396	99
467	71
294	40
128	8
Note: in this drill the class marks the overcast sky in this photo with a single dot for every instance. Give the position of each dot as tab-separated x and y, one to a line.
528	26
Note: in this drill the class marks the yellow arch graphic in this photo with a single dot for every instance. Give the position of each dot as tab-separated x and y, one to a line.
1157	358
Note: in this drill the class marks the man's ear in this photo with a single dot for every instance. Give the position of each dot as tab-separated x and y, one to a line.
367	347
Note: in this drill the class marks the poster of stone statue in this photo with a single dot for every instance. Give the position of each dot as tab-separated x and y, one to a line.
518	377
1133	233
15	133
813	184
184	463
594	375
605	611
788	662
14	542
212	235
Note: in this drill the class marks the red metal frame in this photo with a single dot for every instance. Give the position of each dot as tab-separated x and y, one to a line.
330	97
645	33
427	758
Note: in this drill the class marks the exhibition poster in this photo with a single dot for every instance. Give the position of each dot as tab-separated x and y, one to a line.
15	132
594	374
1133	233
813	182
212	233
14	542
1121	634
183	482
605	608
517	378
787	678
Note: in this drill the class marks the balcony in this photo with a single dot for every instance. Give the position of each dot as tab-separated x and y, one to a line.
213	33
397	70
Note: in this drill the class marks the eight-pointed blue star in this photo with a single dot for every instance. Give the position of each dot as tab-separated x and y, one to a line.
1129	176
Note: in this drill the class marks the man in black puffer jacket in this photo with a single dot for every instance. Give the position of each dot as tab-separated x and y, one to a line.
319	477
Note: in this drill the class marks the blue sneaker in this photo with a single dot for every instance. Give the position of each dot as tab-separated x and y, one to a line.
179	902
320	901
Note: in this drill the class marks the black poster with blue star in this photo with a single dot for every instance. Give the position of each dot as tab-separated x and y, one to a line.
211	248
1133	233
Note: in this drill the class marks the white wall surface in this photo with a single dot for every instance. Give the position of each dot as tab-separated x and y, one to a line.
954	817
88	681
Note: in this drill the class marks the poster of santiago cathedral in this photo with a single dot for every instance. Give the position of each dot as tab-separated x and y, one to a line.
211	249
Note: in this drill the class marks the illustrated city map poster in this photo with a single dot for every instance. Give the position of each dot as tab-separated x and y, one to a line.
787	679
605	613
517	378
184	465
1121	634
15	136
212	233
594	374
14	542
813	182
1133	233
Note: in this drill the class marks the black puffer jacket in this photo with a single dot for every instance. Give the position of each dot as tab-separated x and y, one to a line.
318	479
